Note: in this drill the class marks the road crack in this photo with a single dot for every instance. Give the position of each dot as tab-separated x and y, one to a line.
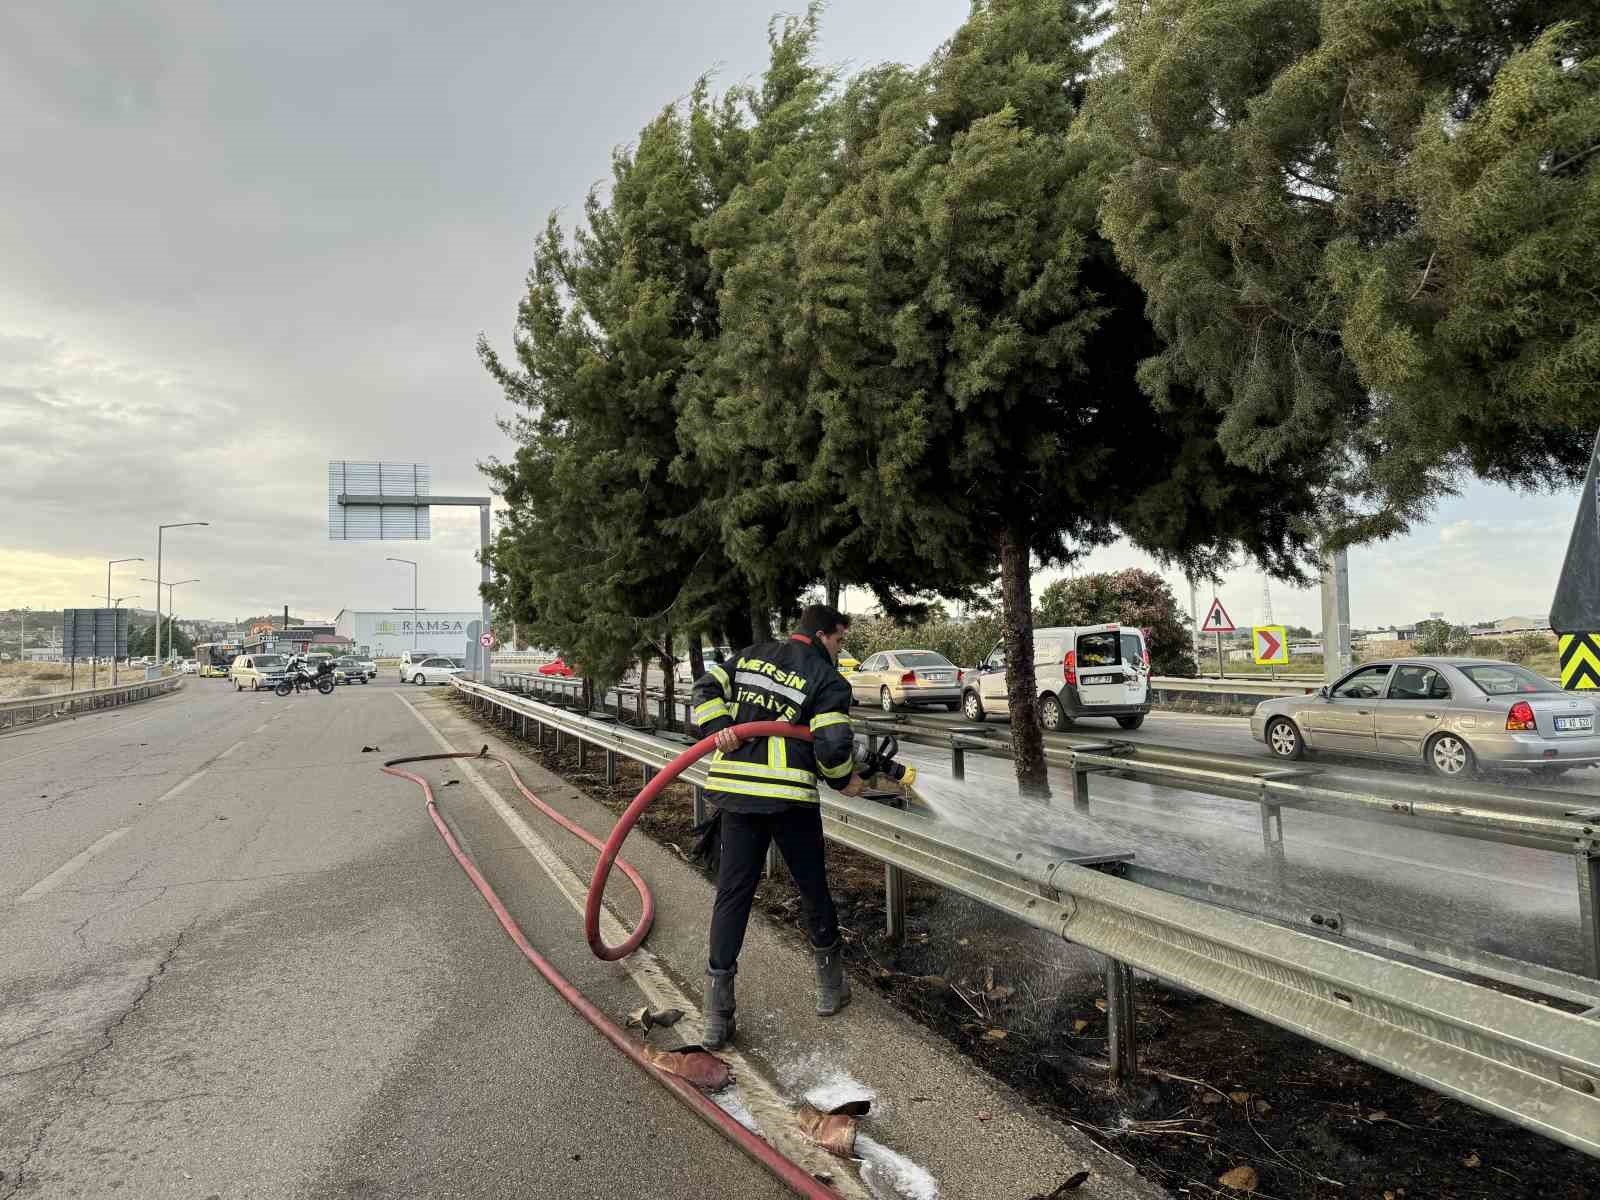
17	1178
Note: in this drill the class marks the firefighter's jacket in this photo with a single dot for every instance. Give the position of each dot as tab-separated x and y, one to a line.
792	681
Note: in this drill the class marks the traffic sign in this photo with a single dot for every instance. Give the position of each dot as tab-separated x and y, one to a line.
1217	619
1271	644
486	640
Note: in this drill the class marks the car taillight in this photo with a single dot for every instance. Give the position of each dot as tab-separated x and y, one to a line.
1069	667
909	677
1520	716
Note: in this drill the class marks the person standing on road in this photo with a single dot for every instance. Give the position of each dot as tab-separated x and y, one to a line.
766	791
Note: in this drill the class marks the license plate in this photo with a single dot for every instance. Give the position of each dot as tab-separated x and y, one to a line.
1565	724
937	677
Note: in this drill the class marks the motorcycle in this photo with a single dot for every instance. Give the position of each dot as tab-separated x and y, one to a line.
297	679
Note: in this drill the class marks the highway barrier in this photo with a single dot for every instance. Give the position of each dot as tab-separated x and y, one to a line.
1529	1063
31	709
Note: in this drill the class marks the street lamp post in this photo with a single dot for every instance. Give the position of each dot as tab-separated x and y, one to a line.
160	530
111	563
170	617
415	573
22	640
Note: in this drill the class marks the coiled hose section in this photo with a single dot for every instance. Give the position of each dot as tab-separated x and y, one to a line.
793	1176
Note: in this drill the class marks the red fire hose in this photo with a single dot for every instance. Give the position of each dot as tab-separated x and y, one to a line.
796	1178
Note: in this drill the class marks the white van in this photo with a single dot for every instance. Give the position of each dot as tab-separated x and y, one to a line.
1081	671
412	659
257	671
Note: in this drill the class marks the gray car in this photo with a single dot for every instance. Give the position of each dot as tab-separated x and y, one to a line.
1454	714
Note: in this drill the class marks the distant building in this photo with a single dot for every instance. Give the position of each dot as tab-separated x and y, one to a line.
296	639
388	633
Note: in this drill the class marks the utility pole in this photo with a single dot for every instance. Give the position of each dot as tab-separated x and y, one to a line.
161	530
1335	614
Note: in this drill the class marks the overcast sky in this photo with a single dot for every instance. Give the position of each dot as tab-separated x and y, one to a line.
238	240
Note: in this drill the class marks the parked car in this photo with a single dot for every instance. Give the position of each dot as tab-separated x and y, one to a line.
257	671
1080	671
349	670
370	667
847	665
412	658
189	667
437	670
684	674
1452	714
557	668
893	679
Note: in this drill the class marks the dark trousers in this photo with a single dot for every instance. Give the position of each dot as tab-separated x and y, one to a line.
745	837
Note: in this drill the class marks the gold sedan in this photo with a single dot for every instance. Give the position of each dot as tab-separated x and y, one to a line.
894	679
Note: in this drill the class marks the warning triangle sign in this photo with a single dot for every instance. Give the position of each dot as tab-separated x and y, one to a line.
1217	619
1576	608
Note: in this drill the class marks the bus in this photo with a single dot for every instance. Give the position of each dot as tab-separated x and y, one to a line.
214	658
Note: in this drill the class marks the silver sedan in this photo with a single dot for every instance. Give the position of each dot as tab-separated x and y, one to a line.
1454	714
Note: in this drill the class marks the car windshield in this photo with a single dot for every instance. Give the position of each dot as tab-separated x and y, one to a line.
921	658
269	662
348	662
1504	679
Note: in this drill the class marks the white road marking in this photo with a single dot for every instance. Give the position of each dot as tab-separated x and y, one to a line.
70	868
75	864
232	748
773	1112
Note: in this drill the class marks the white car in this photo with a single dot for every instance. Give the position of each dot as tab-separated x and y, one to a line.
411	660
1081	671
436	670
189	667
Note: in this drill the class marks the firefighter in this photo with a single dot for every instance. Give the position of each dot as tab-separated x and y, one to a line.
766	791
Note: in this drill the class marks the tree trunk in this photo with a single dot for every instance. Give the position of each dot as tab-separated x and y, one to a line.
588	694
669	680
833	591
1016	606
697	659
760	623
737	632
641	709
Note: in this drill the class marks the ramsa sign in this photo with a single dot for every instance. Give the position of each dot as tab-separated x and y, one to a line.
421	626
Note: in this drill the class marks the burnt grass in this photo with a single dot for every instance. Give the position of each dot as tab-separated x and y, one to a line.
1216	1090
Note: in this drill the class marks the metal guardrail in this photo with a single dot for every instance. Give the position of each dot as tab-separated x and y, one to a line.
29	709
1528	1063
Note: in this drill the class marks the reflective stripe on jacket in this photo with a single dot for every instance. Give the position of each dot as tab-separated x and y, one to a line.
795	682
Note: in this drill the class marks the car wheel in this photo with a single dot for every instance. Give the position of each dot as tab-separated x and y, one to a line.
1284	739
885	700
1449	756
972	707
420	679
1132	722
1052	716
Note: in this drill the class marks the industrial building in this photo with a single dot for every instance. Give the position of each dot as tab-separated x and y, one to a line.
387	633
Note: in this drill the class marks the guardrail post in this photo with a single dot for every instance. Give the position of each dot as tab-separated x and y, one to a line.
894	903
773	859
1119	1020
611	768
583	753
699	811
1271	825
646	773
1080	788
1588	861
958	761
558	739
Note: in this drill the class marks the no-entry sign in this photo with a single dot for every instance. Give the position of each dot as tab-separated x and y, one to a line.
1271	643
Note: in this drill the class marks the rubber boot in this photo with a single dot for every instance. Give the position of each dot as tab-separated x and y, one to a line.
833	985
719	1007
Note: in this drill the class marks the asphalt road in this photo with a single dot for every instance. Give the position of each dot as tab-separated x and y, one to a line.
235	960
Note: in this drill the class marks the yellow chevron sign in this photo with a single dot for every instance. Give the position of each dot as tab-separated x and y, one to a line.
1580	661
